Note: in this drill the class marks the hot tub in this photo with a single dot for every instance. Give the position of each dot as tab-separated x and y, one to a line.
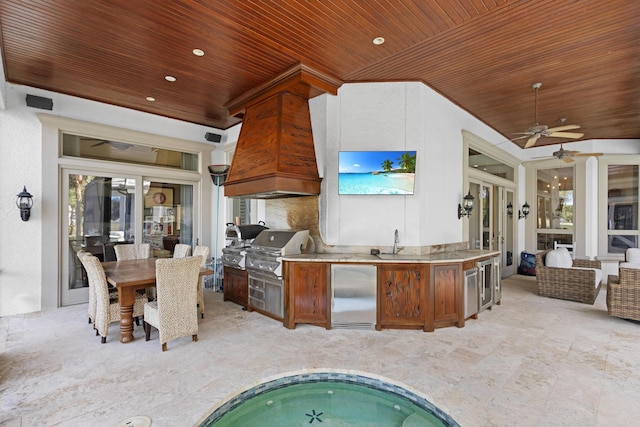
330	399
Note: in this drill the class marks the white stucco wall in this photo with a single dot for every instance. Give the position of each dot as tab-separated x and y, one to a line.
393	116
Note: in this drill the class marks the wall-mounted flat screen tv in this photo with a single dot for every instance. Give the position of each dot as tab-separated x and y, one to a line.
376	172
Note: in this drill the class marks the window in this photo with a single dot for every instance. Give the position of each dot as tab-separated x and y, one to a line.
554	207
490	165
126	152
622	208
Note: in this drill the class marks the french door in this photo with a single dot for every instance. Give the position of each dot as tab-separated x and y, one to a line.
491	224
102	210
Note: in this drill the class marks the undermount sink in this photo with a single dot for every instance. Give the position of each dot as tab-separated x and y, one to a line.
401	256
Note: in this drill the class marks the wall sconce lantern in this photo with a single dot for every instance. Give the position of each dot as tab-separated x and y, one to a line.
525	211
467	206
510	210
24	203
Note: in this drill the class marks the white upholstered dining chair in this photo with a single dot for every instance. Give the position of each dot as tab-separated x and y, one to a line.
107	308
202	251
174	312
181	250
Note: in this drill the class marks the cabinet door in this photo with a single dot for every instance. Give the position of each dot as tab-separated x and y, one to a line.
447	295
308	294
236	286
401	295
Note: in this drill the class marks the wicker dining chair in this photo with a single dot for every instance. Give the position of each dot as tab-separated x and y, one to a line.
202	251
107	306
174	311
91	309
181	250
623	294
570	283
137	251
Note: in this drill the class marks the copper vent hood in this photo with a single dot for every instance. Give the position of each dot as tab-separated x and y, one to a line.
275	155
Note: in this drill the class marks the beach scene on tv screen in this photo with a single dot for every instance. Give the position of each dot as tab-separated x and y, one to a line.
376	172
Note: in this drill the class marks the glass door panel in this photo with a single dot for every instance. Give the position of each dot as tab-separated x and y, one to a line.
100	214
487	220
168	217
508	235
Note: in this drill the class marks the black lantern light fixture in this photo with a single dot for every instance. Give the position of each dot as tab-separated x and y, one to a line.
524	212
24	203
510	210
467	206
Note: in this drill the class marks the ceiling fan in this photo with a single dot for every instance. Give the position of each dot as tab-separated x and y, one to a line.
568	155
537	130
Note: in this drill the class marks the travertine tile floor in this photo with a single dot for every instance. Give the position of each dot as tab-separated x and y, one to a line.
530	361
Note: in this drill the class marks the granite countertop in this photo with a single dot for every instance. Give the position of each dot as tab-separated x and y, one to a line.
452	256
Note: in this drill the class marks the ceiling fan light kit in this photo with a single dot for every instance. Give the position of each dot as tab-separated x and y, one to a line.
537	131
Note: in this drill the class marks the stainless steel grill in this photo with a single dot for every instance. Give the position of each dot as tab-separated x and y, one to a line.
239	238
264	267
265	253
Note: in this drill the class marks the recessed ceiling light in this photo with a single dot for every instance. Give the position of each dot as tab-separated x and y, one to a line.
170	78
198	52
150	98
378	41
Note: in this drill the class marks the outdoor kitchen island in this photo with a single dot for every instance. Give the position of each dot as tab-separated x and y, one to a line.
408	291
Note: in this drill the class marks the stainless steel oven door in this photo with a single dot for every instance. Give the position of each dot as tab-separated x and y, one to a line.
266	294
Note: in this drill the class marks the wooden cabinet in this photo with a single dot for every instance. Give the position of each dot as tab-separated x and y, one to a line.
445	297
236	286
307	296
411	295
401	295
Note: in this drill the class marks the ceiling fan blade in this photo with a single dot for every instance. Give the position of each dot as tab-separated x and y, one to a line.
563	128
588	154
520	137
532	141
567	159
567	134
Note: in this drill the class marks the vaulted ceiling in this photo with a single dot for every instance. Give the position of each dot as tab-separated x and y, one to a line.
483	55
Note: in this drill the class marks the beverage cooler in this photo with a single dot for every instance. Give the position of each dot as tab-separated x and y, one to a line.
486	276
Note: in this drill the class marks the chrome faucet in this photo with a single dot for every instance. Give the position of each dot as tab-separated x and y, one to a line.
396	240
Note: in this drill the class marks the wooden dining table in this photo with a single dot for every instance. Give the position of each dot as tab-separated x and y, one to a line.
128	277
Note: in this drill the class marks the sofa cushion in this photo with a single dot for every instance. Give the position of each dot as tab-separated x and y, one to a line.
558	258
630	265
598	274
632	255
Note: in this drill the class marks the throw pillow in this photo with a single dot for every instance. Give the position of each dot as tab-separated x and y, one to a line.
558	258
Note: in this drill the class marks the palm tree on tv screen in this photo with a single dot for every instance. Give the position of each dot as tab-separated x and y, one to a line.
387	165
407	162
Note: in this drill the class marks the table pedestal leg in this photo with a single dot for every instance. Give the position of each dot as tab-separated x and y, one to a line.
126	298
126	323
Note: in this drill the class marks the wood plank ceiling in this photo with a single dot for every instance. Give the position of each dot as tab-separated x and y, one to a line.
483	55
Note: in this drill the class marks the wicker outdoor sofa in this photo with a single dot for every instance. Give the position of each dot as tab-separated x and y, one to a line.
623	291
623	294
581	282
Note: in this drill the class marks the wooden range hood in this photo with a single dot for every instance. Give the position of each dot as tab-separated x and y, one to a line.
275	155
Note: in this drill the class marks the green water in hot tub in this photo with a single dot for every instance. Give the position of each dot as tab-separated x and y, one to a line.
327	404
